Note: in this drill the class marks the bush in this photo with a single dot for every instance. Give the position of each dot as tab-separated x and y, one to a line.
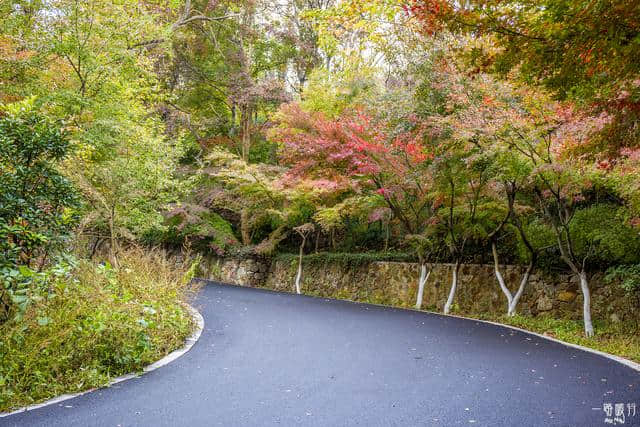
628	275
90	323
37	204
36	201
599	233
199	228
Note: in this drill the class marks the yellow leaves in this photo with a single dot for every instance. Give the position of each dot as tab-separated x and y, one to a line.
16	108
11	53
355	28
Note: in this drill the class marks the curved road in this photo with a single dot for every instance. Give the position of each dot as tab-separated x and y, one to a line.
267	358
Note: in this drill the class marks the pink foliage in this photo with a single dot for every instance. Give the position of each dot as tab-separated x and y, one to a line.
379	214
351	150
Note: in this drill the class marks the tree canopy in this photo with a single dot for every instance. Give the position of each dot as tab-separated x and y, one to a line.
459	132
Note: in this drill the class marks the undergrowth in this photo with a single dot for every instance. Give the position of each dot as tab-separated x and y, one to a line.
92	324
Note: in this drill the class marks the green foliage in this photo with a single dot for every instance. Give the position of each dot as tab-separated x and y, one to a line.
332	94
89	323
347	260
540	235
130	177
37	204
201	229
263	151
627	275
600	234
36	201
300	210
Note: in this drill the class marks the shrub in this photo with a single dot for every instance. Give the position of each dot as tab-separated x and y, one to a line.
37	204
91	323
601	235
36	201
628	275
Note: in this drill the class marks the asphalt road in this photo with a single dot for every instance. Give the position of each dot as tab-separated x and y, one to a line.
267	358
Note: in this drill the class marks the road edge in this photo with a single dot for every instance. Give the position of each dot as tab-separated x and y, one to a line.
628	363
188	344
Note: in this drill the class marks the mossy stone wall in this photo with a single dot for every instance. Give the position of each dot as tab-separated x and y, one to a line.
395	283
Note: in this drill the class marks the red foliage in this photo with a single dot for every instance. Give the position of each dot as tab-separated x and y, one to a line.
430	13
345	150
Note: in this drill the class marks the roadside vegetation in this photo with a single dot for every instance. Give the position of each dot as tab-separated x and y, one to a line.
88	323
499	133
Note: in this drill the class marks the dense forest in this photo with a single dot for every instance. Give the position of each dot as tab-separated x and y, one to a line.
498	132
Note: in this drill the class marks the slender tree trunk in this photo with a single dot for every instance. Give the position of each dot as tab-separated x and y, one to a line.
523	283
424	276
244	227
386	237
317	241
245	121
584	285
512	300
586	305
113	239
454	285
94	248
299	275
503	285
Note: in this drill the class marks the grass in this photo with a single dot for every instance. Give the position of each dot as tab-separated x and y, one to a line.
613	338
92	325
347	259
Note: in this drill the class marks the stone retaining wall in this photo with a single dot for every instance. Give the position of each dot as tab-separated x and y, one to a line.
395	283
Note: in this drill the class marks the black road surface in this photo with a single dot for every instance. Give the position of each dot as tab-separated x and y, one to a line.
267	358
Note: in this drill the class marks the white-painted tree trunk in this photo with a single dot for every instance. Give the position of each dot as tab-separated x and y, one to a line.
424	276
586	306
452	291
503	286
516	298
512	300
299	275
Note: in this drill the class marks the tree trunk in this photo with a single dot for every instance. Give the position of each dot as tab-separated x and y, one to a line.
503	285
454	285
523	283
95	247
586	305
424	276
386	237
113	238
244	227
245	121
299	275
512	300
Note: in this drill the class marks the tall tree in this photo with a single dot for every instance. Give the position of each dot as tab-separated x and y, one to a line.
581	50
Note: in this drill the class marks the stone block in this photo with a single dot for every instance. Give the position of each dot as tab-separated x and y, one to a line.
545	303
566	296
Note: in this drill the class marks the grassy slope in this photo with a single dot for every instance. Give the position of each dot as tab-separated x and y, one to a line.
97	324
